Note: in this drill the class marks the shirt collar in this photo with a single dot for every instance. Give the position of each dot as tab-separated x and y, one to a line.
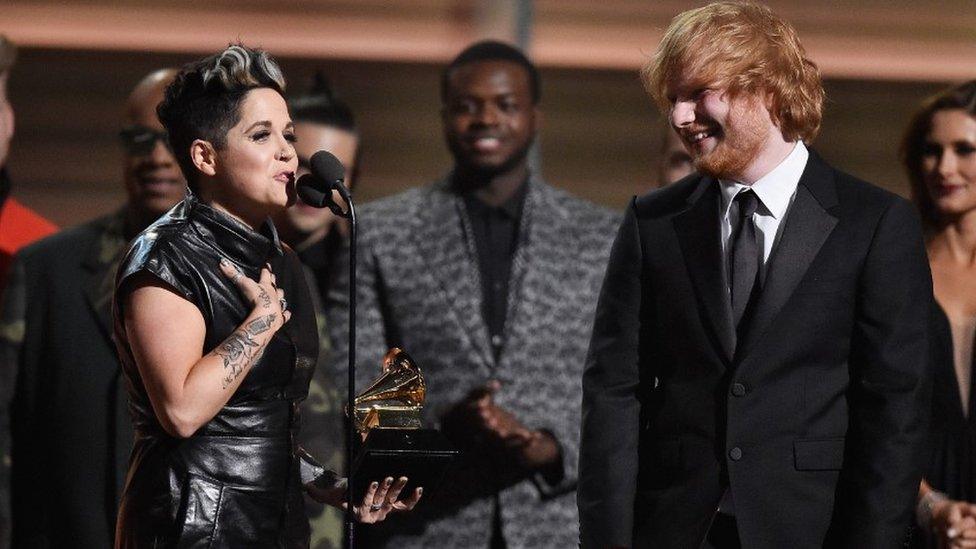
233	237
511	208
775	189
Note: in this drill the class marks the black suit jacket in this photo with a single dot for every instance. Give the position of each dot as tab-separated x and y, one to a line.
813	419
71	431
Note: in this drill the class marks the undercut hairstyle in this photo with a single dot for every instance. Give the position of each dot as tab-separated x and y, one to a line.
8	55
204	101
744	48
321	105
492	50
913	146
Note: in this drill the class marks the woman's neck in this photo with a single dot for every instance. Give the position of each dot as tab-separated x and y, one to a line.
254	220
956	241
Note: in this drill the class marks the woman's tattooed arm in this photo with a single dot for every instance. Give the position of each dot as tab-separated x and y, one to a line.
240	350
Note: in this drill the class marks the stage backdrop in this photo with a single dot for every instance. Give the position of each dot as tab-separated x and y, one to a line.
599	138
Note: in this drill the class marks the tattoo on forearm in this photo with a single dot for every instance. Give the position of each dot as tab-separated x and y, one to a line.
265	298
236	351
260	325
240	350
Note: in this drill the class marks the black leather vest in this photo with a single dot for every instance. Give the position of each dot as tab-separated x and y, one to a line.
235	482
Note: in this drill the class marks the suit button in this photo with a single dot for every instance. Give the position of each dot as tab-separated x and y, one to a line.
738	389
735	453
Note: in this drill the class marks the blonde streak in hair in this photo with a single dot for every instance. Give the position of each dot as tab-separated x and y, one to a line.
239	70
213	72
271	69
233	68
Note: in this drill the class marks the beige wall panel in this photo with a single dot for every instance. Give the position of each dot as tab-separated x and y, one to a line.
868	39
599	137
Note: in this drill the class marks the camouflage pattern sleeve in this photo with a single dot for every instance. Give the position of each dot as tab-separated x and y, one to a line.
322	434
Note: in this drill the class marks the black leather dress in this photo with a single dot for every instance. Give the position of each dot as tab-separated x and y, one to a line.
235	482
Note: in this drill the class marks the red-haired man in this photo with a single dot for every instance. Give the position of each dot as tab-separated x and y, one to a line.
756	372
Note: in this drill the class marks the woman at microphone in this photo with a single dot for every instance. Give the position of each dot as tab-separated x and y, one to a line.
216	332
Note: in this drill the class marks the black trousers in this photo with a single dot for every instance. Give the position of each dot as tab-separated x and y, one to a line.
723	533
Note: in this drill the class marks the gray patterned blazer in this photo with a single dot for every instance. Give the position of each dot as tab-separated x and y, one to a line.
419	289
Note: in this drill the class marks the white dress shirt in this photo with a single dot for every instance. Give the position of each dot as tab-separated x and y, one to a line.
775	191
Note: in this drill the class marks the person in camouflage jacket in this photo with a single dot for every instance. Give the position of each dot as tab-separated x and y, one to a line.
322	122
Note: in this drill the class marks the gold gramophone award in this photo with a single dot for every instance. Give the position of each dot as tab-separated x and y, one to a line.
388	415
396	399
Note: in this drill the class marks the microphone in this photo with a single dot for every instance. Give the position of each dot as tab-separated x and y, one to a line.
315	188
327	174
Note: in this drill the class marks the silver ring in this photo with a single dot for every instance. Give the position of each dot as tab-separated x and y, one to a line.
237	276
284	303
375	507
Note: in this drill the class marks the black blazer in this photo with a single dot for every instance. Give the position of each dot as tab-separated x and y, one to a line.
71	431
813	419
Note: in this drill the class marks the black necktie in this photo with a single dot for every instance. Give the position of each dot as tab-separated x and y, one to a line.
744	259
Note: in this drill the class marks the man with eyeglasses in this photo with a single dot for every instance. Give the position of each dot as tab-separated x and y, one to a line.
70	429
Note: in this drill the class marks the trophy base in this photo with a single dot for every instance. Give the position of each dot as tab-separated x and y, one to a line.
388	417
421	455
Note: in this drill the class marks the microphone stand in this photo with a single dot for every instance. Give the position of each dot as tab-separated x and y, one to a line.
350	214
431	446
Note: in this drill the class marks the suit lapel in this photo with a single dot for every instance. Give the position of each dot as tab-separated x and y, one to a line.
444	240
101	264
700	239
808	224
531	257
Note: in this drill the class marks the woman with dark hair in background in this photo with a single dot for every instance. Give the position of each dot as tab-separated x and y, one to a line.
216	333
939	152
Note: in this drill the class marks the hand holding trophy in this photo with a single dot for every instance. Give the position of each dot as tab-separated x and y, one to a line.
380	499
388	415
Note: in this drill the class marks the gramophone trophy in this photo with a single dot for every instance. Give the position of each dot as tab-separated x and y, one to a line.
388	416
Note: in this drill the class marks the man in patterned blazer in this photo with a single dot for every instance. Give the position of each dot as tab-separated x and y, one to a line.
489	279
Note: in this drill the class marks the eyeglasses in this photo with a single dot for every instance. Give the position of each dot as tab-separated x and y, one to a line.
139	140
